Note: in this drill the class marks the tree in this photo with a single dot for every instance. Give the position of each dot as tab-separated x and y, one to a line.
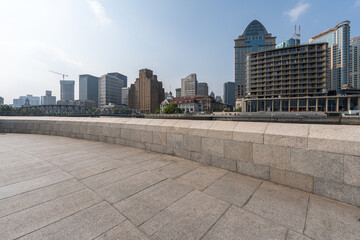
172	108
6	110
239	109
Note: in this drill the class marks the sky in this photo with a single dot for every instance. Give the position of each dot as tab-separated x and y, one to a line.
174	38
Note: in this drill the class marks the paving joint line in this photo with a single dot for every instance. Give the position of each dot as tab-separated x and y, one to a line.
250	197
216	221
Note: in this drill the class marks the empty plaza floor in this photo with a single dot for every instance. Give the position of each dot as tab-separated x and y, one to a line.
63	188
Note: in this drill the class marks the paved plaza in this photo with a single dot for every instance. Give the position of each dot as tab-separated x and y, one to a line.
64	188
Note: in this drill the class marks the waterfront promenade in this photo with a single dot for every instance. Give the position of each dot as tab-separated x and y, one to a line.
55	187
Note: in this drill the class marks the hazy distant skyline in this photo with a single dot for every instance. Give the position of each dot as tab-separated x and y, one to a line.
174	38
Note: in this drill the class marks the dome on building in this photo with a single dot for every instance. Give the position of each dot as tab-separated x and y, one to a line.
255	29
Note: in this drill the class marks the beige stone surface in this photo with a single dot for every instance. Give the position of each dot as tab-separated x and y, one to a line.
37	202
281	204
212	146
272	156
352	170
242	225
250	132
327	219
233	188
324	165
287	135
291	179
239	151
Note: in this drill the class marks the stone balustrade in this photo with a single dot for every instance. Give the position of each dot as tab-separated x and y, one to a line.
321	159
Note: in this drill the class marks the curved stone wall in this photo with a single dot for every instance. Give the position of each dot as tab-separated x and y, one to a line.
322	159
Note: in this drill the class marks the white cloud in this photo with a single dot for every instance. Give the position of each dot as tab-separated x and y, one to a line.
357	3
298	10
99	11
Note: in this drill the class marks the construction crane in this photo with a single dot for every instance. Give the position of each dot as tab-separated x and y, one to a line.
64	75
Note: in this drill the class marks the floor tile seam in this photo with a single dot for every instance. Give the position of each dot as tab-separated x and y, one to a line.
190	190
250	197
162	211
53	199
83	209
215	182
180	174
217	220
135	152
215	179
110	228
307	212
140	190
272	221
32	178
286	234
113	170
112	183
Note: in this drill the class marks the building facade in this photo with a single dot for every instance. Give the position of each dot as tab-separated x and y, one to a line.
1	101
33	101
287	72
255	38
67	90
355	62
88	88
288	43
338	39
146	93
124	96
229	93
189	86
48	99
202	89
178	92
110	89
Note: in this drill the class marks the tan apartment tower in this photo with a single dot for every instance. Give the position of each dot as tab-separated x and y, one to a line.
146	93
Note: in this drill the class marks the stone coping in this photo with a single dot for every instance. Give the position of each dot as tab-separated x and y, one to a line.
321	159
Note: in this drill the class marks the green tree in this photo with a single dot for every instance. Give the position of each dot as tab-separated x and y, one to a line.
239	109
6	110
172	108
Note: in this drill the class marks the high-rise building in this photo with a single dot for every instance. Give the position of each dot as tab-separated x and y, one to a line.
338	39
212	94
110	87
33	101
124	95
218	99
48	99
146	93
229	93
67	90
178	92
355	62
255	38
189	86
202	89
1	101
88	87
288	43
296	71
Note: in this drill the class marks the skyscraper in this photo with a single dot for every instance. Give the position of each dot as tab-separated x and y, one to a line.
338	39
229	93
355	62
202	89
67	90
1	101
110	86
178	92
88	88
124	95
146	93
189	86
48	99
255	38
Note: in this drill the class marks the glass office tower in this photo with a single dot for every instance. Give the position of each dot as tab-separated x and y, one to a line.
355	62
338	39
255	38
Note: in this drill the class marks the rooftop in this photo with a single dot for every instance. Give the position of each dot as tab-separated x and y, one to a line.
62	188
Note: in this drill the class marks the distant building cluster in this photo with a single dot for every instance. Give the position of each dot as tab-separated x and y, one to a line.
320	76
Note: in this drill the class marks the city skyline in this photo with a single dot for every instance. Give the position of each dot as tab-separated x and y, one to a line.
93	38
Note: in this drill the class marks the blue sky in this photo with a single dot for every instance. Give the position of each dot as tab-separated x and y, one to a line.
172	37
